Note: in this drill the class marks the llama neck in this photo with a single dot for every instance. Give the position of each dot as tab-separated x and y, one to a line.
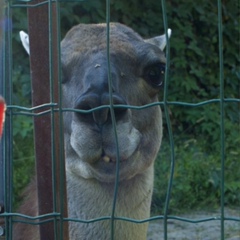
89	199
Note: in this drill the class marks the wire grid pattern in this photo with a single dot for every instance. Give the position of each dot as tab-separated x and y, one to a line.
53	107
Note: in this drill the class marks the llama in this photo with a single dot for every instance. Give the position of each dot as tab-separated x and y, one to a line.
137	71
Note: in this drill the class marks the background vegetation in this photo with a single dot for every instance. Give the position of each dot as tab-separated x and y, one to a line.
194	77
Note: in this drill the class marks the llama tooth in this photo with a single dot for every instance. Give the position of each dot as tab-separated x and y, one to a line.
106	159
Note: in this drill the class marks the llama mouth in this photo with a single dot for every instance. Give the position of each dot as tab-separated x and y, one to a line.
108	159
105	169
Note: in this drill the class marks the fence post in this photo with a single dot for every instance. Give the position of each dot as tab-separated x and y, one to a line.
44	130
1	145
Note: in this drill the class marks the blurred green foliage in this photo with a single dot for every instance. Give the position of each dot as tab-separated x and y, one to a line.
197	177
194	77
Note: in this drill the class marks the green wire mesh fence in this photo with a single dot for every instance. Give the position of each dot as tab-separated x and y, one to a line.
53	106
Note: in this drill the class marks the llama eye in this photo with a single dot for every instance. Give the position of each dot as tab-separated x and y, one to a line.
155	74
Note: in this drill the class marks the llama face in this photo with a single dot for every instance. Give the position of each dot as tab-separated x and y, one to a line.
137	74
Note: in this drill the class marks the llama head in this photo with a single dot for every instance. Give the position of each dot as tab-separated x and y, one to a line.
136	71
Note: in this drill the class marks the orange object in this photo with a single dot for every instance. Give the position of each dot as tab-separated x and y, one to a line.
2	114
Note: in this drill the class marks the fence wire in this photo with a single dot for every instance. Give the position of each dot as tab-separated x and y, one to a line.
52	108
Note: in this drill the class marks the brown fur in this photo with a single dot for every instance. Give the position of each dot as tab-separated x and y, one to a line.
30	208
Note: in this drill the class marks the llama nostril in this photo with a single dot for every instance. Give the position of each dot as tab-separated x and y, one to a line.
87	101
100	116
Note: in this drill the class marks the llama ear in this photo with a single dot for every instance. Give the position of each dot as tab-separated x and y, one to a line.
160	41
25	41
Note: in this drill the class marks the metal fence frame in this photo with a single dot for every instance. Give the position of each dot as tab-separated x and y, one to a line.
53	107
